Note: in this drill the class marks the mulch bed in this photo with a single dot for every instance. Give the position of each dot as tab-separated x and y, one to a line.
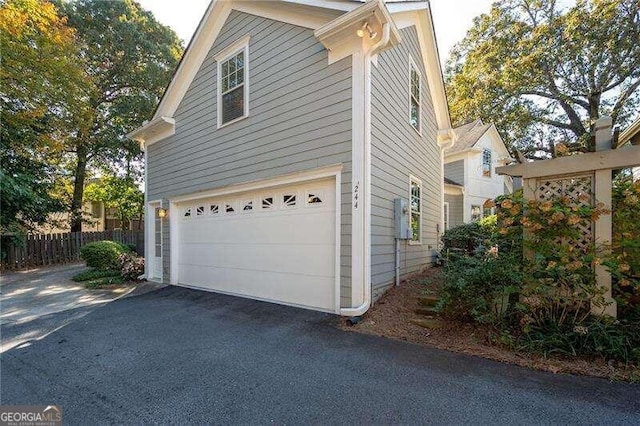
391	315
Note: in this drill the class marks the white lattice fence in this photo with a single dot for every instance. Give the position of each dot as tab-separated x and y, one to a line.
578	191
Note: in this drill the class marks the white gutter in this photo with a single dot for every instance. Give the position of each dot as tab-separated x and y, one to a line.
386	35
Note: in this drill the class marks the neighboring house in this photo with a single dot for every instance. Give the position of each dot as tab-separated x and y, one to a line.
95	218
469	171
631	135
274	157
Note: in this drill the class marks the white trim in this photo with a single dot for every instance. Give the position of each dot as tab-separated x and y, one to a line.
338	240
412	66
446	222
413	179
195	54
150	251
241	45
153	131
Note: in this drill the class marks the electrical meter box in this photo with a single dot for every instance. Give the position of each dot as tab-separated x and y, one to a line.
401	216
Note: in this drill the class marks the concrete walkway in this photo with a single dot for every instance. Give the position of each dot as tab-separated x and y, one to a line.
27	295
44	294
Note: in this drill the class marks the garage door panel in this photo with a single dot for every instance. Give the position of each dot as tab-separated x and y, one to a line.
283	253
292	229
309	291
312	259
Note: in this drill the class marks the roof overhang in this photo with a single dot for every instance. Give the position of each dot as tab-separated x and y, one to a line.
450	189
630	134
153	131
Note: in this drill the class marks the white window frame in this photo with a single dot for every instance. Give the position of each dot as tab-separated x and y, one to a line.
412	180
446	223
412	67
471	212
230	51
484	150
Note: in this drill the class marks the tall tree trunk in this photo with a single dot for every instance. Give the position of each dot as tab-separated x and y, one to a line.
78	189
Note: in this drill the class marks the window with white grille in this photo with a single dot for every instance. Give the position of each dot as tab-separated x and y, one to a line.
233	85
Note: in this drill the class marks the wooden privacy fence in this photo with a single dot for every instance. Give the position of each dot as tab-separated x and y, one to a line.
51	249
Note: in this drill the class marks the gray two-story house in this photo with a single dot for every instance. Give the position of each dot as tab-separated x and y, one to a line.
276	153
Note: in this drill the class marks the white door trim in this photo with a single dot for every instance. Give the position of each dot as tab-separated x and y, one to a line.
149	244
334	171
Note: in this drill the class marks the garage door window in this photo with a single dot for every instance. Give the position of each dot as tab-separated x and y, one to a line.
187	212
289	200
267	203
248	206
200	211
229	209
214	209
314	198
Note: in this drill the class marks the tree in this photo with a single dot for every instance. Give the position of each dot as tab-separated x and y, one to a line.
41	86
544	74
130	58
121	194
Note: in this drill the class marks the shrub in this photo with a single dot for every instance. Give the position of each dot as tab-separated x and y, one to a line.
131	266
102	254
94	274
464	239
132	248
480	286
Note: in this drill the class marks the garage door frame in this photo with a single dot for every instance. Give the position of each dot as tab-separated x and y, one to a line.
334	171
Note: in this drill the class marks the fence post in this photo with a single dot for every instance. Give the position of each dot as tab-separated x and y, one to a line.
602	226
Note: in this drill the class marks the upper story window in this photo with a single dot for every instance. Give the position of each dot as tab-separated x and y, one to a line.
415	91
415	201
233	82
486	162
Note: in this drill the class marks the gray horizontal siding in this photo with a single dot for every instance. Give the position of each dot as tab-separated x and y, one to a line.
455	171
456	205
300	119
398	151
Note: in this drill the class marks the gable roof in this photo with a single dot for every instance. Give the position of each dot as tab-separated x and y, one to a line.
451	182
630	134
468	135
311	14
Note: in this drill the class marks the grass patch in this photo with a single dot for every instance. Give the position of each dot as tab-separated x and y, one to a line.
104	281
95	274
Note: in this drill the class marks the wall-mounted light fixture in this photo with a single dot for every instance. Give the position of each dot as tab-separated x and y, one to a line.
368	29
162	213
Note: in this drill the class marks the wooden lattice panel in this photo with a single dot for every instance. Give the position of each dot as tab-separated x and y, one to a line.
579	191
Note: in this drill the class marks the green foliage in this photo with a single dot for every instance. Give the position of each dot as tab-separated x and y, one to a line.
102	282
102	254
609	340
465	238
542	72
118	193
94	274
41	86
130	58
538	291
480	286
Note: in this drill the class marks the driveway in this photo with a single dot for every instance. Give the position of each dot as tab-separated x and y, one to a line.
183	356
39	293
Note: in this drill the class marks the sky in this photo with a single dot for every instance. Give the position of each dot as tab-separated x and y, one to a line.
452	18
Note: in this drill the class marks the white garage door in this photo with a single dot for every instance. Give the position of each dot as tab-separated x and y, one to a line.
274	244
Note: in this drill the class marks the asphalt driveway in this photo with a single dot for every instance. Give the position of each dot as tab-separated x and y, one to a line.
183	356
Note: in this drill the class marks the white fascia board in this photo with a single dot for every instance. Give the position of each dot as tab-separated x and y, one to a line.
195	54
157	129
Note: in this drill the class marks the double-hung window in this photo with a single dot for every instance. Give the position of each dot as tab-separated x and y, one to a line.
233	82
486	162
415	82
415	201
